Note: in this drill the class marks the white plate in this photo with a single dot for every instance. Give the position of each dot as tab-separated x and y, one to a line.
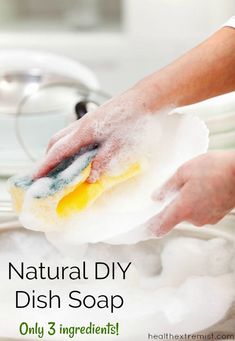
222	123
222	141
211	108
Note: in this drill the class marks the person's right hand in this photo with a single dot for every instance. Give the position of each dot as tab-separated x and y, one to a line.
109	127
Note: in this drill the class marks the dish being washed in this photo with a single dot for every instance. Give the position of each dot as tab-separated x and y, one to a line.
115	208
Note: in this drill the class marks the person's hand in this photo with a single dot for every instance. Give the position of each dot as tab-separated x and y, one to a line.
109	127
206	192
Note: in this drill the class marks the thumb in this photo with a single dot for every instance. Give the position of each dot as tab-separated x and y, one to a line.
101	161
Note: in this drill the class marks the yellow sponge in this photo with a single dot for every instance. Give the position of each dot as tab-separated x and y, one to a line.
63	192
86	193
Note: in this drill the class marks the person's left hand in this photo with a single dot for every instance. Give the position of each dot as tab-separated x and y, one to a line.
206	192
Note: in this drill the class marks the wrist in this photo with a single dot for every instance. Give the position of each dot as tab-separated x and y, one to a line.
135	101
157	96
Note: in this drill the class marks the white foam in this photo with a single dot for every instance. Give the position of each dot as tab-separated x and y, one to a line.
161	143
173	285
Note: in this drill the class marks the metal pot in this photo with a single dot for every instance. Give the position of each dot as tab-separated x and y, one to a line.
40	93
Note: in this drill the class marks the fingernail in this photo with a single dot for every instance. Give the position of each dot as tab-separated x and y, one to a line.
154	225
158	195
35	175
90	180
158	231
93	177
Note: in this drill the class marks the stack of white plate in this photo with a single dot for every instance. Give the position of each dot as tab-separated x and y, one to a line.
219	115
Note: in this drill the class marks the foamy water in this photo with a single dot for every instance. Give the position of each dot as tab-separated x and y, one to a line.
177	284
160	144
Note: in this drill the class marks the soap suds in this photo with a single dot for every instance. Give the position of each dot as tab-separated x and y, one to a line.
172	282
171	286
58	178
160	143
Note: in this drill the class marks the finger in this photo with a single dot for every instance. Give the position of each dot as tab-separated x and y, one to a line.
57	136
63	132
171	216
102	160
174	184
64	148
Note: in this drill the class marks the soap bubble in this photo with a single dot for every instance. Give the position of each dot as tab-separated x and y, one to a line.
173	284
